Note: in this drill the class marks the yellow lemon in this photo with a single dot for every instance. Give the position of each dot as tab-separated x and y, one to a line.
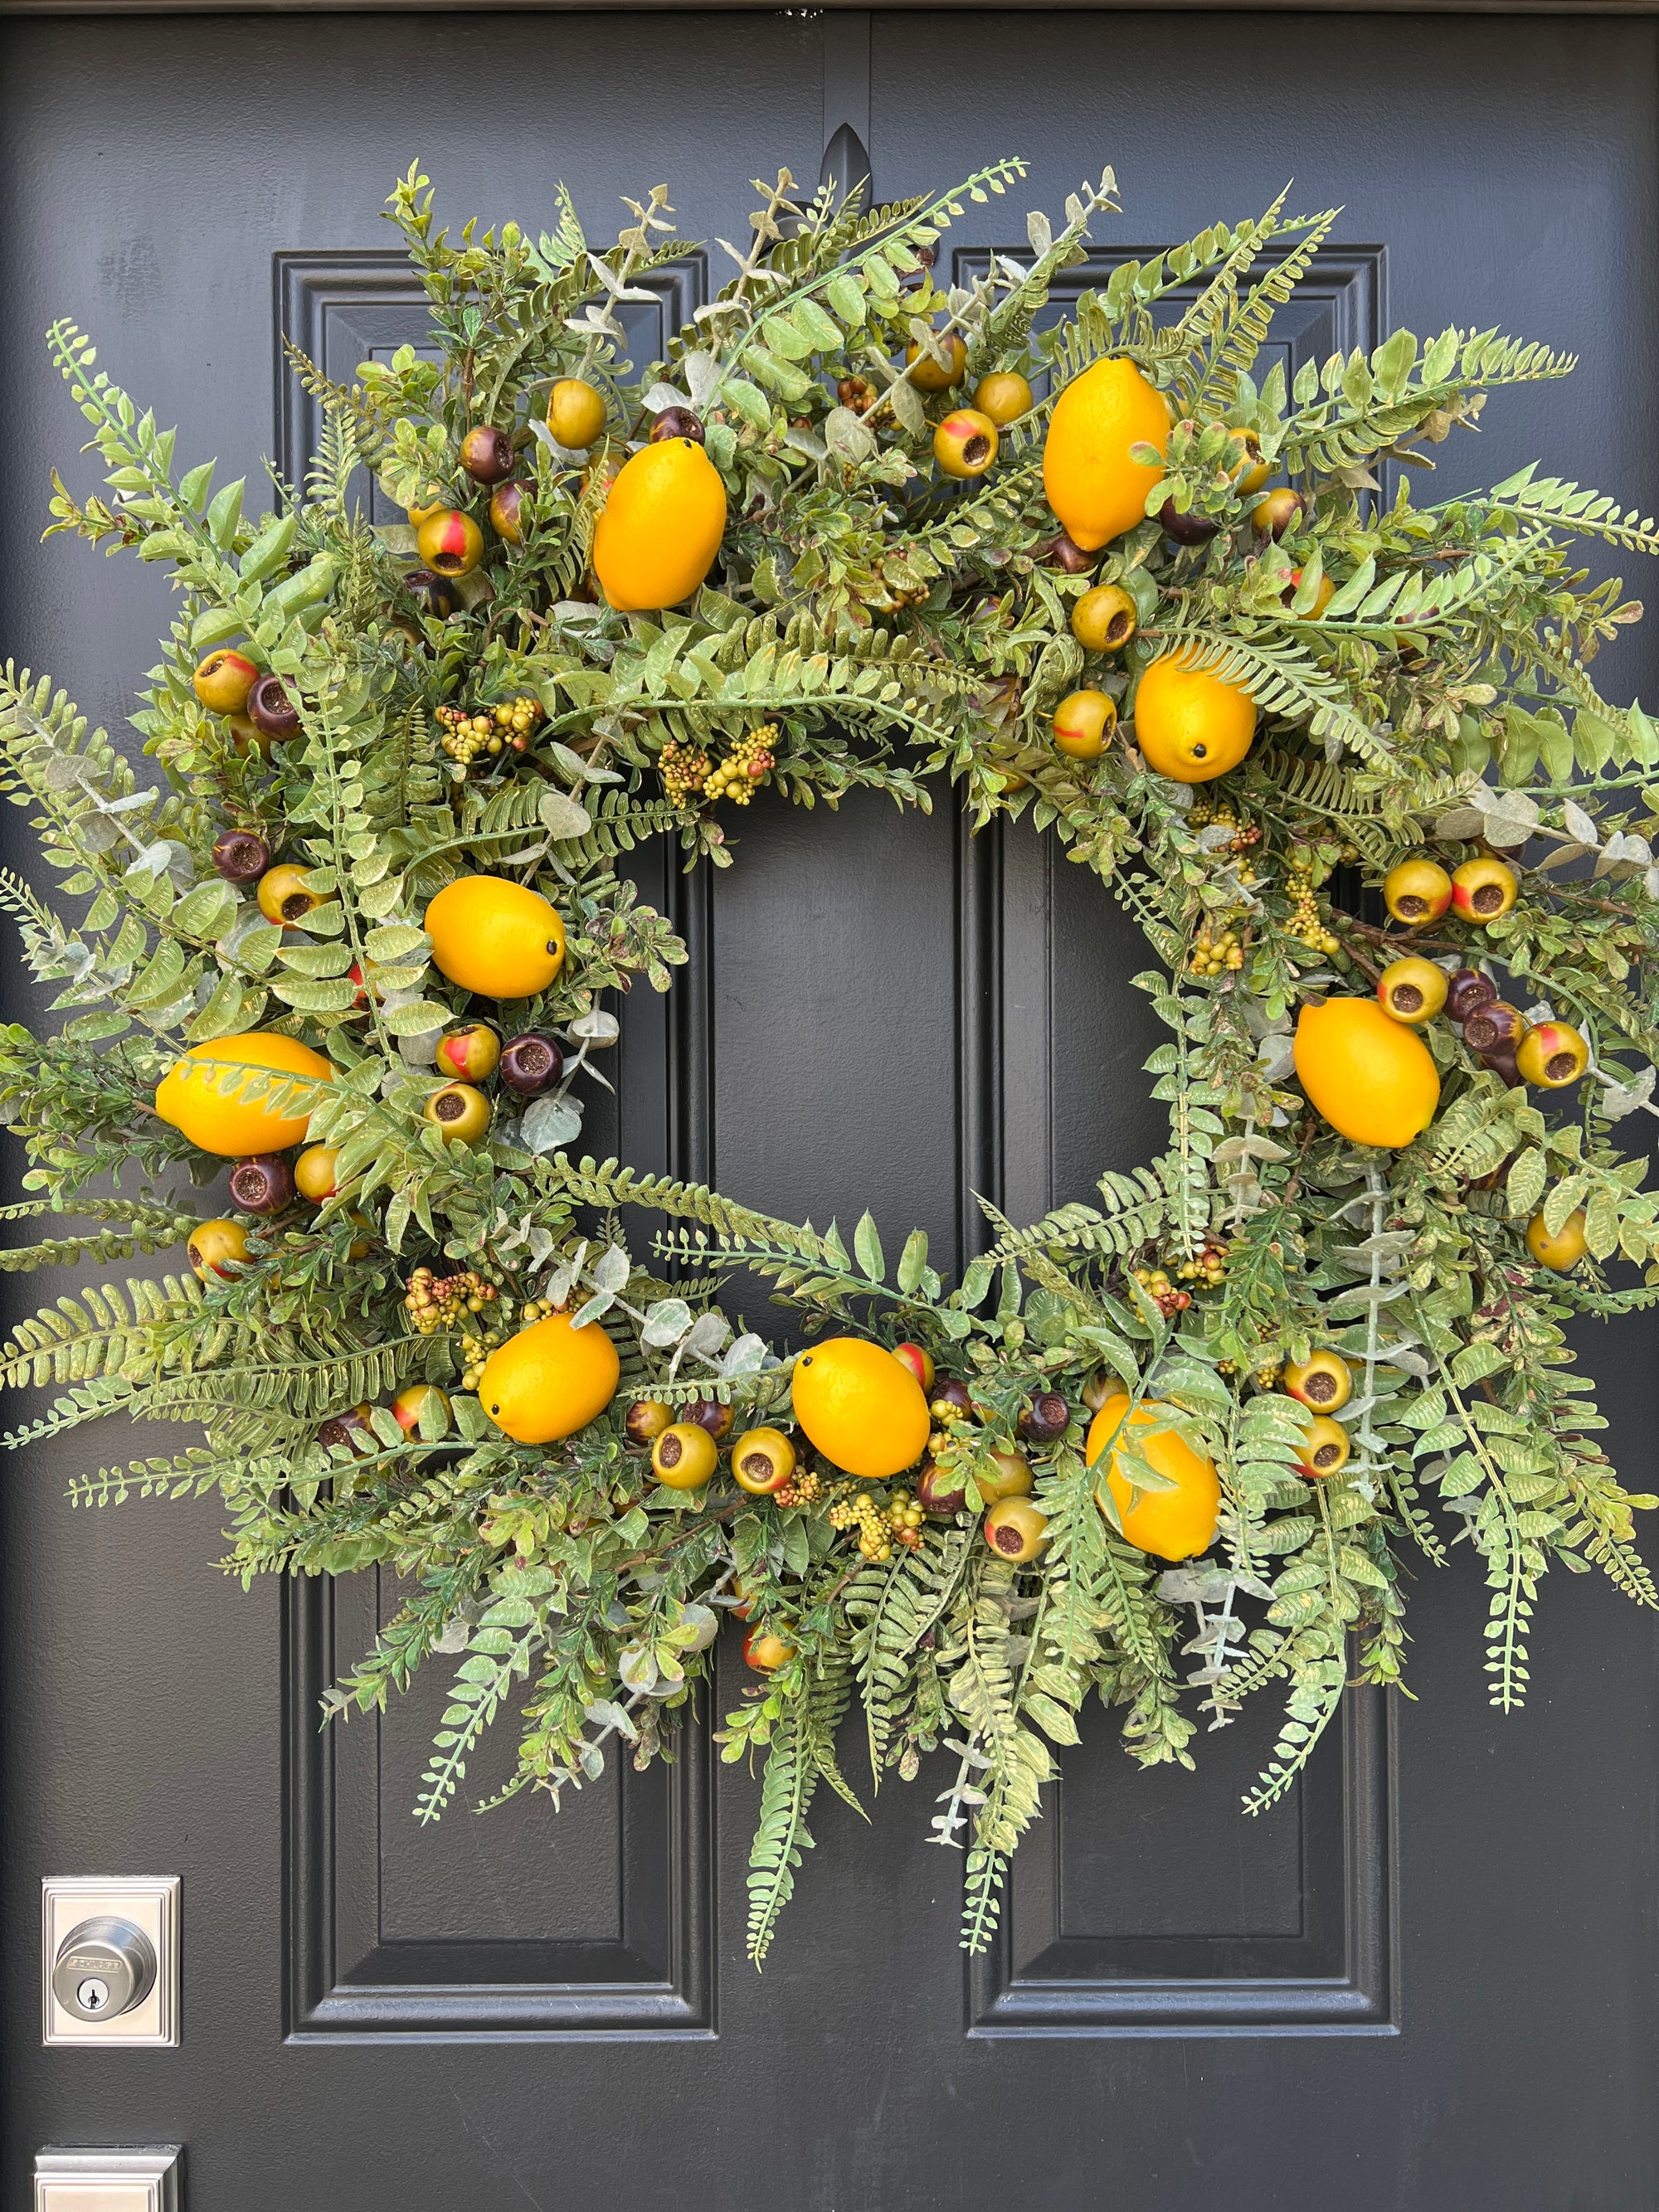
1176	1524
188	1096
1091	483
1188	724
499	938
549	1380
1373	1080
661	527
862	1407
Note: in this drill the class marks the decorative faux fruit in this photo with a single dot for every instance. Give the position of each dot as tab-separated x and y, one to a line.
1322	596
247	737
1190	726
1088	477
263	1184
1565	1250
1275	512
1173	1524
929	372
1494	1026
709	1413
530	1063
450	542
241	856
941	1494
504	512
1084	724
661	527
233	1126
1064	553
487	455
1417	892
434	593
862	1408
1484	891
679	422
684	1456
1322	1381
1003	1474
1371	1078
1252	471
1467	989
222	682
1552	1055
1104	619
459	1112
499	938
1004	396
1411	991
271	712
575	412
1016	1529
283	896
549	1380
217	1249
965	442
407	1404
918	1360
472	1053
646	1419
1327	1448
342	1428
317	1172
763	1460
1185	528
950	1400
765	1652
1042	1417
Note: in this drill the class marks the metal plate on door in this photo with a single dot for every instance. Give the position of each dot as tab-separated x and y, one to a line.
109	1959
109	2180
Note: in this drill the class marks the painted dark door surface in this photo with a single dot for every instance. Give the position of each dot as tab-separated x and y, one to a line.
1428	1982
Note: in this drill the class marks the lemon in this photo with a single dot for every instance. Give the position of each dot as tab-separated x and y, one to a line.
661	527
1174	1524
501	940
190	1098
1091	483
549	1380
1189	725
863	1408
1373	1080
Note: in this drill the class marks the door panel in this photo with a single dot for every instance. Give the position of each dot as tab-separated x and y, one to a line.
1427	1980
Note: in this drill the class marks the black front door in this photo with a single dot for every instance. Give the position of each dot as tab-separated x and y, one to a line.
1428	1980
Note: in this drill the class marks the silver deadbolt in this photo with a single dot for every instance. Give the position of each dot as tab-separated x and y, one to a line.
104	1967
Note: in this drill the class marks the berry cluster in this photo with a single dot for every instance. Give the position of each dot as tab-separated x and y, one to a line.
1246	834
1208	1270
802	1488
1305	926
691	775
1215	954
878	1529
436	1302
506	726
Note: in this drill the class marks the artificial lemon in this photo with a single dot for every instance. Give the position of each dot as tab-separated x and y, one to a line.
189	1096
661	527
501	940
1188	724
549	1380
1091	483
862	1407
1372	1078
1174	1524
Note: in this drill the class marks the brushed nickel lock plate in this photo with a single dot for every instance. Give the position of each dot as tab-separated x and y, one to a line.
109	1961
108	2180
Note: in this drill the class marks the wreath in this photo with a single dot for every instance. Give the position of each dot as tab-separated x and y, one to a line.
1339	754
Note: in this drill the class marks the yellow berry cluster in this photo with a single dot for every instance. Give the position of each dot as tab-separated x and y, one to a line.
1305	926
506	727
878	1530
1214	955
1163	1292
474	1350
1246	834
438	1302
691	775
1208	1270
802	1488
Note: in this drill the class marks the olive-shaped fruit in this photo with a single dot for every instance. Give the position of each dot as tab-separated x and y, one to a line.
1327	1448
1412	990
941	1495
241	856
1042	1418
1502	1063
679	422
271	711
709	1413
460	1111
965	443
1494	1027
283	897
575	412
1063	552
918	1360
684	1456
1250	472
1484	891
531	1064
765	1652
224	680
1185	528
450	542
1003	1474
341	1428
1467	989
1565	1250
1417	892
1004	396
217	1249
1276	512
1016	1529
247	737
646	1419
317	1172
928	373
1322	1381
406	1407
434	593
472	1053
1552	1055
487	454
261	1184
950	1401
763	1460
1322	597
1104	619
1084	725
505	512
1098	1388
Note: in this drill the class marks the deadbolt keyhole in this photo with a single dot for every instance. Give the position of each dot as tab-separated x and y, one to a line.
104	1967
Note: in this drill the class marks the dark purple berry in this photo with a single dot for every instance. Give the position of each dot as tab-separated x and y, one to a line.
487	455
241	856
941	1495
1186	529
950	1401
1494	1028
708	1414
678	422
342	1428
263	1184
531	1064
1467	989
271	709
434	593
1044	1420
